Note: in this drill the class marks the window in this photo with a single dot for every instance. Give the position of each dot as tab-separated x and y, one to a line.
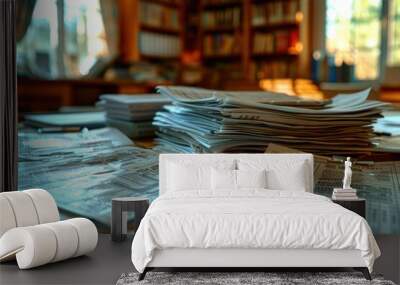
353	34
84	35
394	33
72	39
36	53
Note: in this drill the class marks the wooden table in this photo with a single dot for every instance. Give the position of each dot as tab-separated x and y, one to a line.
39	95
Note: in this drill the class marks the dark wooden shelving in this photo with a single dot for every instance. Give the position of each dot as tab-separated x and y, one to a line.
230	36
221	5
226	29
161	30
158	57
225	57
217	27
222	56
274	55
132	28
173	4
277	47
281	25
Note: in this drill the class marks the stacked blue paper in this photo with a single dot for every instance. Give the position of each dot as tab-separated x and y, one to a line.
132	114
201	120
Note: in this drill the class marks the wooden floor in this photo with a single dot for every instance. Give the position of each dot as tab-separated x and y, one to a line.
103	266
110	260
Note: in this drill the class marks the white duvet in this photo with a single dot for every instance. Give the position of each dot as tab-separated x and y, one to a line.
250	219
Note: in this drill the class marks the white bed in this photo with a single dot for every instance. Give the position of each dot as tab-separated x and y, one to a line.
248	227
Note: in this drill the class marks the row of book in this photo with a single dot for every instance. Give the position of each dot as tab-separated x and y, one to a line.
154	44
275	13
132	114
229	17
278	42
273	69
222	45
159	16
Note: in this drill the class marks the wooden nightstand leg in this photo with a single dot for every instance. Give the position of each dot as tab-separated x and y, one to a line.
116	221
140	210
143	274
364	271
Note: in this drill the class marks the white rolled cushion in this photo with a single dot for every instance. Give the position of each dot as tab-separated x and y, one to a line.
7	219
26	208
33	246
67	240
23	208
87	235
41	244
223	179
251	178
45	205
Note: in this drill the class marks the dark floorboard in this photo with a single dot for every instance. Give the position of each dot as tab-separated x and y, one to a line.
110	260
103	266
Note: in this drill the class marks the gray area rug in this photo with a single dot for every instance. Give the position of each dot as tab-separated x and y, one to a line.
229	278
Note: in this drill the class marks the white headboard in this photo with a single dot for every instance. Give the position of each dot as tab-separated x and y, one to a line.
164	159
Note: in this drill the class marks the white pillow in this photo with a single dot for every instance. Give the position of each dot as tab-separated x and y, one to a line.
223	179
227	179
281	174
251	179
186	175
183	178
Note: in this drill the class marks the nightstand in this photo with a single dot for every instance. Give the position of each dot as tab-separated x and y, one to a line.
357	205
119	215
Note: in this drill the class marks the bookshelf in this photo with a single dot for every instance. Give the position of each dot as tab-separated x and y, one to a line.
221	28
235	39
263	38
275	43
222	34
151	30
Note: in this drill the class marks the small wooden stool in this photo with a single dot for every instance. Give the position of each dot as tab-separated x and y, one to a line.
119	215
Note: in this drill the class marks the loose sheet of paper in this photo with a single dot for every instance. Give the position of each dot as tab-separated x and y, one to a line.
377	182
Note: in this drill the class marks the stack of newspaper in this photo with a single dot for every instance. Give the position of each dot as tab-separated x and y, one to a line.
201	120
344	194
377	182
84	171
132	114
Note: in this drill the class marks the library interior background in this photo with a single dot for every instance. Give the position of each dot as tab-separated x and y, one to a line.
105	86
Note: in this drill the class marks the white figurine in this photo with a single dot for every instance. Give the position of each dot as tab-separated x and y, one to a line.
347	174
